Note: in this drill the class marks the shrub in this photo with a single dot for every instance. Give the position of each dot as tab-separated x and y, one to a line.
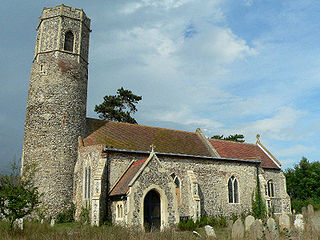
84	216
189	225
222	221
67	215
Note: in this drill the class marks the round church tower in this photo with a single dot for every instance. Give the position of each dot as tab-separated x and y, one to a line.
57	99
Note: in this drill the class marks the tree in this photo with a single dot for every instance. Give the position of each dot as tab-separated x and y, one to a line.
18	196
233	138
303	184
119	107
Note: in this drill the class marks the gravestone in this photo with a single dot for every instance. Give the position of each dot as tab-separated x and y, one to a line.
256	230
248	222
271	223
52	222
230	224
42	221
284	221
298	223
310	211
210	231
315	225
304	212
237	230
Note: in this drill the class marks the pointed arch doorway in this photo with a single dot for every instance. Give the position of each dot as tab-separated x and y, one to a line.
152	211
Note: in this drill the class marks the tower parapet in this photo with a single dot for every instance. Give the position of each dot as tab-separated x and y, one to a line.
56	108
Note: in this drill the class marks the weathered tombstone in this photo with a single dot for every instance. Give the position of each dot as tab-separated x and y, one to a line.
237	230
298	223
271	223
315	225
19	223
42	221
304	212
310	211
210	231
256	230
52	222
248	222
230	224
284	221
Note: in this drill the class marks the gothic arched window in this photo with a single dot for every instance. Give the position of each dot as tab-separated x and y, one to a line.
68	41
233	190
270	188
177	183
87	182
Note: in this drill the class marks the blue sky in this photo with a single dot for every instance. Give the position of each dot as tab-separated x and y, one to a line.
246	66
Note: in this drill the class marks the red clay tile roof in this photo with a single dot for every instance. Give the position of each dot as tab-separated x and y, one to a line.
123	184
138	137
236	150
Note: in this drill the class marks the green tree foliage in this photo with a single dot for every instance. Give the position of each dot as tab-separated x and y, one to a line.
303	184
233	138
18	196
119	107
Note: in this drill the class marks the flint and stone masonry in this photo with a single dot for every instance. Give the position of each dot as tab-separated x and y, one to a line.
57	98
109	168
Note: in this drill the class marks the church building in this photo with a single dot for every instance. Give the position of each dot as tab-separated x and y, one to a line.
133	175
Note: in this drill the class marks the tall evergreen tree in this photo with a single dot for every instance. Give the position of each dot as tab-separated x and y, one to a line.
119	107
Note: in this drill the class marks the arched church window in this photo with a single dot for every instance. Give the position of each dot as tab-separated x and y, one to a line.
177	183
68	41
270	188
233	191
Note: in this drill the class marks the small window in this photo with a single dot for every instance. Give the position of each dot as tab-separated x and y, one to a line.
87	181
119	210
68	41
233	192
270	188
177	183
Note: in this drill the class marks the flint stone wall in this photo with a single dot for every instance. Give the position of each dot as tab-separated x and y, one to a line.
56	108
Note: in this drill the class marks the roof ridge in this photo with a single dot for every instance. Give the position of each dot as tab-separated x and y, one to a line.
176	130
212	139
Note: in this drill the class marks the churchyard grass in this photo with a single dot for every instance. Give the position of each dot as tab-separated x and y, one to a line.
77	231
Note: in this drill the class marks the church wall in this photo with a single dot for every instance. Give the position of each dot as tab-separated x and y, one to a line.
212	177
281	200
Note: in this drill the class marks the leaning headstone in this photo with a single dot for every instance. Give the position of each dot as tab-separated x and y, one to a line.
19	223
315	225
230	224
248	222
284	221
298	223
310	211
304	212
196	233
256	230
210	231
237	230
271	223
52	222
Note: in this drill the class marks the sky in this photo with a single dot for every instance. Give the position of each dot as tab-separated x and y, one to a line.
226	67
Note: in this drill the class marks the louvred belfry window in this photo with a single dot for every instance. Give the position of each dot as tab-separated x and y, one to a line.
68	41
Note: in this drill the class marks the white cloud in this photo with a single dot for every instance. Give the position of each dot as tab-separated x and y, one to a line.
298	149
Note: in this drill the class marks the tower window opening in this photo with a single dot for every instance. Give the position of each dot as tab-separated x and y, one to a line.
68	41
